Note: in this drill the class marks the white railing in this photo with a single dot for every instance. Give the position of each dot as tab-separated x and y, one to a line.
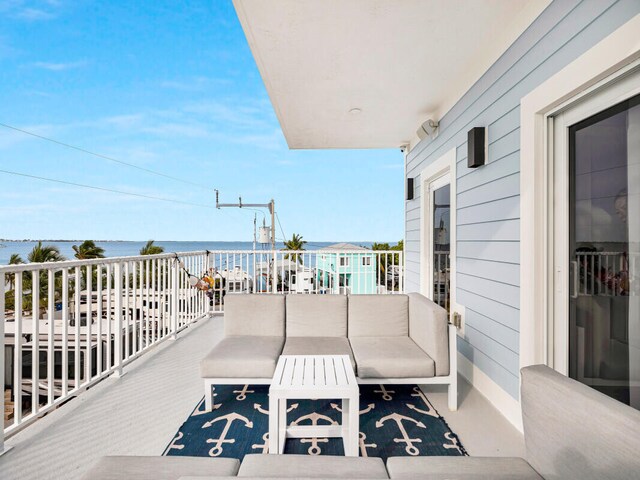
303	272
605	274
66	325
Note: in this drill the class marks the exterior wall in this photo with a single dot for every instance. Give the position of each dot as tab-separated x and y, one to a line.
488	203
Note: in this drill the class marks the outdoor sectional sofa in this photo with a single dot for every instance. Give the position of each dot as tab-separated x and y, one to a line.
391	339
571	432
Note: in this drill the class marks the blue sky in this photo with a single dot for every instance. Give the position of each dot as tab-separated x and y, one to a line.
169	86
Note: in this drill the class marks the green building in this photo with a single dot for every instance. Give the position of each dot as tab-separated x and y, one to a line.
346	268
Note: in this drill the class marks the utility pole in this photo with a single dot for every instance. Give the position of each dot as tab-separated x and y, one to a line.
272	210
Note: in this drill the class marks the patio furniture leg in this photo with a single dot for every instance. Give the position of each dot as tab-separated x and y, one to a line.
274	435
208	397
345	424
282	424
354	427
453	396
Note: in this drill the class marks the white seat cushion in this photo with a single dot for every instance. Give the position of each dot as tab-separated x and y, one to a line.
242	357
309	466
391	357
461	468
318	346
160	468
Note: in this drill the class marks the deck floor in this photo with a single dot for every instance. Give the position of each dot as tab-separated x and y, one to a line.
139	413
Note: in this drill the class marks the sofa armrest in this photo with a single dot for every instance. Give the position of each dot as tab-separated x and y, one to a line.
428	327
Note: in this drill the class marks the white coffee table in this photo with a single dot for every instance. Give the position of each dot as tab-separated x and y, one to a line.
310	377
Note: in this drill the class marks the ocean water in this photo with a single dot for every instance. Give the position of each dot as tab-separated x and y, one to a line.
124	249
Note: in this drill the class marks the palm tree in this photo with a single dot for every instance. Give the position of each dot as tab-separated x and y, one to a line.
151	249
295	244
44	253
15	259
88	249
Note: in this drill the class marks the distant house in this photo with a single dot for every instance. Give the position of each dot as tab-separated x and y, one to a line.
350	272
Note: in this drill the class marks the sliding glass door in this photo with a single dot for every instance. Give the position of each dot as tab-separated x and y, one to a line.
597	242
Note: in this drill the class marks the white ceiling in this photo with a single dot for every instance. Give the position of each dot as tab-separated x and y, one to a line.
399	62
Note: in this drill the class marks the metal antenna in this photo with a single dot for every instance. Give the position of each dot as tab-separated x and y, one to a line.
271	206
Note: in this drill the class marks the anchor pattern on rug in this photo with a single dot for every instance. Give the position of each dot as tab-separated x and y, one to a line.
395	420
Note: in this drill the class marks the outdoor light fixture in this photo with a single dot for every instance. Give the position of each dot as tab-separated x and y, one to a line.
428	129
476	147
409	188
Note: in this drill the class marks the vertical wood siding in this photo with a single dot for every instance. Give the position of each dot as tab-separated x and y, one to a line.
488	201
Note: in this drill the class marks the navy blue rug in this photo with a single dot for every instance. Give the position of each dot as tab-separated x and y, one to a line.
395	420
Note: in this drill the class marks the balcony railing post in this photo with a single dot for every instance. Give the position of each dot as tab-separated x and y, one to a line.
3	448
275	272
174	299
117	287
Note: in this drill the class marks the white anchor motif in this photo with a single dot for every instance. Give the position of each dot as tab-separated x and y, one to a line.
410	448
363	445
264	446
370	407
314	449
173	445
243	393
430	410
219	442
258	407
386	394
454	442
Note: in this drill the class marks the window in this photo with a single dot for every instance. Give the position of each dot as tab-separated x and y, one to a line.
366	261
344	261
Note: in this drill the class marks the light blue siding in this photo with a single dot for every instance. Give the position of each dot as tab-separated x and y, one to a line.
488	210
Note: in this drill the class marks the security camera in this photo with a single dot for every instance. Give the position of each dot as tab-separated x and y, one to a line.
427	129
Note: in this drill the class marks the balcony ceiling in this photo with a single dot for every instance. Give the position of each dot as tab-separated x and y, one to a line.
399	62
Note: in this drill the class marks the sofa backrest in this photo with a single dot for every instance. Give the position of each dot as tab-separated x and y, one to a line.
254	314
572	431
378	316
316	316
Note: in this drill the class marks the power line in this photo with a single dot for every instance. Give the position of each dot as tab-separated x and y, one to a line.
280	225
104	157
102	189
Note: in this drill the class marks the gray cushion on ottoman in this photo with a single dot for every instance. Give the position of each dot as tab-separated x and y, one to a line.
318	346
316	315
391	357
160	468
309	466
461	468
242	356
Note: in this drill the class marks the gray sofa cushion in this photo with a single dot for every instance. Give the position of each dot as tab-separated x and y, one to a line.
243	356
318	346
390	357
160	468
254	314
316	315
308	466
572	431
378	316
461	468
428	327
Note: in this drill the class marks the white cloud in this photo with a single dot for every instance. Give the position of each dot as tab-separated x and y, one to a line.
58	67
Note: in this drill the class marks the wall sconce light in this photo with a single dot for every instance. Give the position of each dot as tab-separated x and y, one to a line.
476	151
409	188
